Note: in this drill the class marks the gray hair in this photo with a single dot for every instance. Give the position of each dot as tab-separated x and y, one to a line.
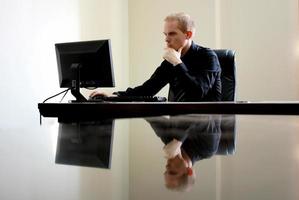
185	183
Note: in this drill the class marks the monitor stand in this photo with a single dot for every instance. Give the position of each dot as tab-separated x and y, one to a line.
75	90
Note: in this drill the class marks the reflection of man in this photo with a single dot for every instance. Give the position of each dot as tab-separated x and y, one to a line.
192	71
187	139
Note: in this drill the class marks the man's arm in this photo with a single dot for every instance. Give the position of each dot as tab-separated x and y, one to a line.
205	70
203	75
153	85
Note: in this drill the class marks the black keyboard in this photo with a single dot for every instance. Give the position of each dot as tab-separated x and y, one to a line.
127	99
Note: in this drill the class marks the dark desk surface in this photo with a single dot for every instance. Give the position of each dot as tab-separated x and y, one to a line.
252	155
124	160
119	110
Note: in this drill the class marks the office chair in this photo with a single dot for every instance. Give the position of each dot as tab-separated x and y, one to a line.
227	62
227	143
226	59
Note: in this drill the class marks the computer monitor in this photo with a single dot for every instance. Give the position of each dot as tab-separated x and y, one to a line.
84	64
85	143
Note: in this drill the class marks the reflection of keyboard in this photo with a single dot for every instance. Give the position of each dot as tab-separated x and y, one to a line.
127	99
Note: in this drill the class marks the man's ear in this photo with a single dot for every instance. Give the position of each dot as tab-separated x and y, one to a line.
189	171
189	34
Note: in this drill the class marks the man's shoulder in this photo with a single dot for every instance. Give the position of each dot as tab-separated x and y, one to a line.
203	50
207	57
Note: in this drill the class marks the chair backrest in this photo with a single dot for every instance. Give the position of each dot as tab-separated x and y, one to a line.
227	143
226	59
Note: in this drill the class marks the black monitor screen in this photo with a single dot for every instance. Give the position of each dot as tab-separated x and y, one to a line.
85	143
94	61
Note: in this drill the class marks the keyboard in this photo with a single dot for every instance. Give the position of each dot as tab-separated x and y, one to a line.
127	99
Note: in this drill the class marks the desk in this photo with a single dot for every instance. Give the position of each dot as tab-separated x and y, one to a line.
93	110
260	160
252	155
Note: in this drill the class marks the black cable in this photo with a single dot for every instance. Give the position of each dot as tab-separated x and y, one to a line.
63	96
40	116
56	95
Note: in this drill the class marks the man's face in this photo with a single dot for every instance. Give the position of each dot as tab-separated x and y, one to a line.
174	37
175	168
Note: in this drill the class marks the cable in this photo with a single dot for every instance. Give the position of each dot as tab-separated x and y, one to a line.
56	95
66	91
63	96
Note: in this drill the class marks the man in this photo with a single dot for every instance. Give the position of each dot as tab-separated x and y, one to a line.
187	139
192	71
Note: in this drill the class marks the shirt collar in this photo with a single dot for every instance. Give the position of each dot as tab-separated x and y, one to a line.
190	50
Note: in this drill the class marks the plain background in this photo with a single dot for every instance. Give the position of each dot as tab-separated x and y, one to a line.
263	33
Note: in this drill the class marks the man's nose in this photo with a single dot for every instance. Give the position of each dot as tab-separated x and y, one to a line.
167	39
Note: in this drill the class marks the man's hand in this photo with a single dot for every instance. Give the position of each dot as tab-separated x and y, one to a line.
98	93
173	56
172	149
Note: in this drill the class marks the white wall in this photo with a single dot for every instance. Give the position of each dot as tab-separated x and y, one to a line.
265	37
29	30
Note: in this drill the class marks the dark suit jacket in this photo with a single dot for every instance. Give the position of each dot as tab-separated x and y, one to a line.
200	135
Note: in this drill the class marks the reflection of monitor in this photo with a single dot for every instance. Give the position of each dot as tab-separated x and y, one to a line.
85	143
84	64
